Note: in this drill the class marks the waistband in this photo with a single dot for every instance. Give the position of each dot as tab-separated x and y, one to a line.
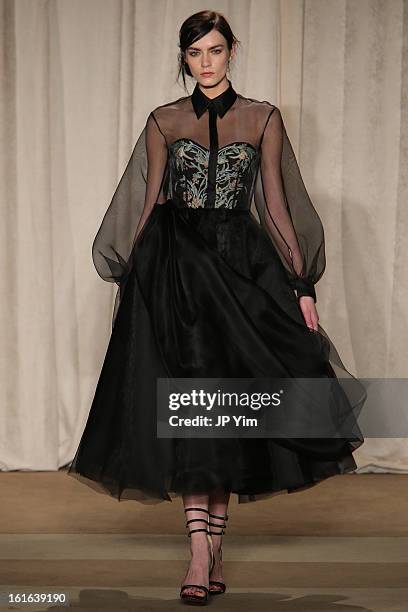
181	206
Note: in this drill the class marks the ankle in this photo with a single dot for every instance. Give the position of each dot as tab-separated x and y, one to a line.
217	542
199	548
217	524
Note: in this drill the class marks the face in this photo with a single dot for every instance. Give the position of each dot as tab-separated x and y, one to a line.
209	54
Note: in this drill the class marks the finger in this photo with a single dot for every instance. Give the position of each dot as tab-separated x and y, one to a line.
311	322
308	321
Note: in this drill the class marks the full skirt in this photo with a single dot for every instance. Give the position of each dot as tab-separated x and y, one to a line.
206	296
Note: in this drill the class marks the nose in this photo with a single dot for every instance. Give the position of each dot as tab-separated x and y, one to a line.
205	61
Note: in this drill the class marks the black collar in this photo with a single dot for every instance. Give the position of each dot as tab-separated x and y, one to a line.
220	103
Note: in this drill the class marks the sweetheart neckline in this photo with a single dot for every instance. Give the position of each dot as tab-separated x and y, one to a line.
220	149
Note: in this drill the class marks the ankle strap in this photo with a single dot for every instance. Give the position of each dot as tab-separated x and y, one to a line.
195	530
219	527
196	519
200	529
193	520
218	516
222	527
202	509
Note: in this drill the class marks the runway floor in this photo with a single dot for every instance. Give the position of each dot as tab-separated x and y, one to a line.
340	546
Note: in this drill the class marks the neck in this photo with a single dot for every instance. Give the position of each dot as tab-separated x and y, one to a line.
215	90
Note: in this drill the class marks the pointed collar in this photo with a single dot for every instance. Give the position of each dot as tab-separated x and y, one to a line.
221	103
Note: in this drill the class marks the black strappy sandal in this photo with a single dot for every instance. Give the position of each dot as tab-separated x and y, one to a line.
193	598
221	585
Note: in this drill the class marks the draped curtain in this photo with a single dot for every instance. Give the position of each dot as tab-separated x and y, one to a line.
78	79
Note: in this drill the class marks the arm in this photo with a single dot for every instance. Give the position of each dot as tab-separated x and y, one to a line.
140	187
157	152
286	211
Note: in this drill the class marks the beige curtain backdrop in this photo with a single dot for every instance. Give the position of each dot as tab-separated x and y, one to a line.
78	79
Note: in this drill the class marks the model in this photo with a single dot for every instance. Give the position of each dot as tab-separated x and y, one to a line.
208	290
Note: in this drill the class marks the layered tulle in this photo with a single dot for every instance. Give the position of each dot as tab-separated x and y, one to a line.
206	296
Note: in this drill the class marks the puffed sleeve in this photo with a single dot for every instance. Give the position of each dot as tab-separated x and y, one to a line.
286	211
142	184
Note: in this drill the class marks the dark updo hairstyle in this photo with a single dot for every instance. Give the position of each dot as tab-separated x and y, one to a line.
194	28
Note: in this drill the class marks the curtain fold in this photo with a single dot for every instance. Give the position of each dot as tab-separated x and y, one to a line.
78	80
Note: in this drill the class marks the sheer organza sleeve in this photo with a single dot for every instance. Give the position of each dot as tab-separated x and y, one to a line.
142	184
286	211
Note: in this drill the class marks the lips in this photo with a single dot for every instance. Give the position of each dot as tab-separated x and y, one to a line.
207	73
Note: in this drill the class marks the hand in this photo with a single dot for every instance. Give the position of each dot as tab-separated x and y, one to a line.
308	308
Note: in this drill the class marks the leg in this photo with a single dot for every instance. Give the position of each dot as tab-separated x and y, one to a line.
198	571
218	508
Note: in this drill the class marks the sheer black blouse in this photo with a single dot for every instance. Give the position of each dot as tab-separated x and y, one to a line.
225	152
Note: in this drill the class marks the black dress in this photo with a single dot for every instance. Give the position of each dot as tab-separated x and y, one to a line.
208	290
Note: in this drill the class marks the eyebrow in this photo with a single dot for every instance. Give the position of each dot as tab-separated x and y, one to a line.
213	47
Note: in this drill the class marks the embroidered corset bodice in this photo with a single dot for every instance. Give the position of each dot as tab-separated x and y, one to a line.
235	167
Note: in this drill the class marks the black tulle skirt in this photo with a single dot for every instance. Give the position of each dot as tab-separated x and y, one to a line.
206	296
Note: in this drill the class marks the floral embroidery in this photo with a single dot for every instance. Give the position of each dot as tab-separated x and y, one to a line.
190	170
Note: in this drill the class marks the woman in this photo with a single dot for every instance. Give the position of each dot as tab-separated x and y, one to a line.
205	290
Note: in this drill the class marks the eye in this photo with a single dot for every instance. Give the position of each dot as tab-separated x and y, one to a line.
194	53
